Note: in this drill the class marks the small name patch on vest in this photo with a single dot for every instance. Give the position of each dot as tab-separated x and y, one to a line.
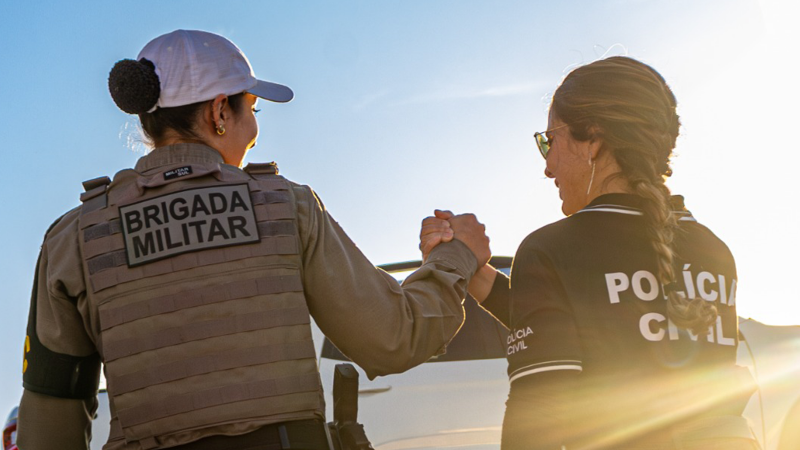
195	219
177	173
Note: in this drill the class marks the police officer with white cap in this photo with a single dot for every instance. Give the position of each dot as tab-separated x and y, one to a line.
192	280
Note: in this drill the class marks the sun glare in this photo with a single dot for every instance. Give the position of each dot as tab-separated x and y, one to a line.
736	164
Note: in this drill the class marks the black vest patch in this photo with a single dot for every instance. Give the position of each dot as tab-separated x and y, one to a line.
177	173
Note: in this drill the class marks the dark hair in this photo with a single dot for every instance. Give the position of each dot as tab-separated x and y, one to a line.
629	106
135	88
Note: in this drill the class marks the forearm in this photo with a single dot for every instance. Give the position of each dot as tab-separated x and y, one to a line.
51	423
480	286
498	300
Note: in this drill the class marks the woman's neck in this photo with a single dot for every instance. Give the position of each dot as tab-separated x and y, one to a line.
608	178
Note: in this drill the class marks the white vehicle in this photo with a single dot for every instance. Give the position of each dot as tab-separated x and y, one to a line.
772	354
457	400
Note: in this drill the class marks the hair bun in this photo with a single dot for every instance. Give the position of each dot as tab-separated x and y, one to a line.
134	85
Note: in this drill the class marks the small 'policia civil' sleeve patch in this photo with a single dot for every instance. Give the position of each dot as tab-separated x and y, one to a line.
47	372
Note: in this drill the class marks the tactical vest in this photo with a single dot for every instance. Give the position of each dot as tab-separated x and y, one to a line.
194	273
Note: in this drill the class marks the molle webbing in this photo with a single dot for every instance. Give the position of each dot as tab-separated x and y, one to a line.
203	330
214	362
102	230
276	228
222	395
270	197
111	317
106	261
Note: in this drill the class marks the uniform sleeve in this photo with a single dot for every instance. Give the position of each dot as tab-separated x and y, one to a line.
544	355
61	368
538	412
52	423
543	336
499	300
383	327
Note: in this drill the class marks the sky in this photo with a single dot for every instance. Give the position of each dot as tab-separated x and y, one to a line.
405	106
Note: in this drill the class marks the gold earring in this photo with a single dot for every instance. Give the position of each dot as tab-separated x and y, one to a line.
220	129
591	180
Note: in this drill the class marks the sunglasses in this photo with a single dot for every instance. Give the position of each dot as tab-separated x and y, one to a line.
543	142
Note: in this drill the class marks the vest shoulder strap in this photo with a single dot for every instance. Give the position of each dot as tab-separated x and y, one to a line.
262	168
88	185
95	196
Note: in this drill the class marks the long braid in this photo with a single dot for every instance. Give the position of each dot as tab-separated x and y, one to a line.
692	314
635	112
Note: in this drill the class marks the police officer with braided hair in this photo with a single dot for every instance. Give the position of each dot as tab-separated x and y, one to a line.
192	280
622	316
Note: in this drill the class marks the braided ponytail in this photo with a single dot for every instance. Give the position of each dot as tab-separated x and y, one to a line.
692	314
636	112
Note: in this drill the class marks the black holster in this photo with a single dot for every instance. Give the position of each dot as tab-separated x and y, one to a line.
346	432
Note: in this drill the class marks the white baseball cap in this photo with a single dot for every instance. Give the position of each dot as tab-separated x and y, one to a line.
195	66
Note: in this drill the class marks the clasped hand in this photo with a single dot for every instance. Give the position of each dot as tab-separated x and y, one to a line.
443	226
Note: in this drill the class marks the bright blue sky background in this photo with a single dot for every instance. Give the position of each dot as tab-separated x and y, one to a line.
404	106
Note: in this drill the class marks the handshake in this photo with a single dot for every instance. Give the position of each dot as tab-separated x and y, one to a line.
443	226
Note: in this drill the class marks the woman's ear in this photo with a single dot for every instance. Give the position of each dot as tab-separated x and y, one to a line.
595	141
219	110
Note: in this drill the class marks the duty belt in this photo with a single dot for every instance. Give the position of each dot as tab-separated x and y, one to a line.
295	435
